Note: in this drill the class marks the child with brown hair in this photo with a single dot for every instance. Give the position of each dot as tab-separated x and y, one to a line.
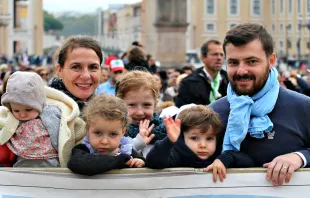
104	148
192	141
140	92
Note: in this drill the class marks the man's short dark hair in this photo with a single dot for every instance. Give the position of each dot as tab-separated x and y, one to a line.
136	43
186	67
245	33
179	70
204	48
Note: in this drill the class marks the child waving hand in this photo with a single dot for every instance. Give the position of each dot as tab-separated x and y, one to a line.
191	142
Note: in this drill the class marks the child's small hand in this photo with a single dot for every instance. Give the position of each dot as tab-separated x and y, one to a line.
218	169
145	130
135	162
173	128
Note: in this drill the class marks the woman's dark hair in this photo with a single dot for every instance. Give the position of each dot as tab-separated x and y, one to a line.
73	42
136	54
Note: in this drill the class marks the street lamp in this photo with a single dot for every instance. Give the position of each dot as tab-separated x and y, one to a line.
288	43
299	41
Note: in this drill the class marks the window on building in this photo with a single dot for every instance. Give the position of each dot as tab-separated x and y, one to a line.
308	6
273	8
289	27
232	25
281	28
273	27
299	6
210	6
289	43
290	6
281	6
281	44
256	7
233	8
137	11
210	27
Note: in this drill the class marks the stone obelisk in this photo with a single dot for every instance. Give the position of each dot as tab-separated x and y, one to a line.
171	24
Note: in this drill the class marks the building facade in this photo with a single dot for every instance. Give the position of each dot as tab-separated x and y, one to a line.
129	25
110	40
5	17
24	29
164	24
289	25
286	20
148	32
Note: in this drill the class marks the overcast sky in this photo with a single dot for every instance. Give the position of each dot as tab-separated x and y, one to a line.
81	5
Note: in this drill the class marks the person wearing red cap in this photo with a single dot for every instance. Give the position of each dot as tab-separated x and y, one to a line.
116	71
109	59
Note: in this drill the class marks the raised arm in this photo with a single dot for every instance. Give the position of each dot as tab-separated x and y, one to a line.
144	137
162	154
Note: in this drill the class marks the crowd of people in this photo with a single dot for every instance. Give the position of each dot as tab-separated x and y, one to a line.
129	112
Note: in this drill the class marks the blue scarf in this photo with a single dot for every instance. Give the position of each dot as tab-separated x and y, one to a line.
126	145
249	114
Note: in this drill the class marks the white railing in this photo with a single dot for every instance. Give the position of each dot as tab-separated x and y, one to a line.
142	182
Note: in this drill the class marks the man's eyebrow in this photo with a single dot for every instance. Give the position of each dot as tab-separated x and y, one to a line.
75	63
251	57
232	59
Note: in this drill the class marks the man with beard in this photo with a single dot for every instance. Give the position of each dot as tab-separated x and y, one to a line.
262	119
208	83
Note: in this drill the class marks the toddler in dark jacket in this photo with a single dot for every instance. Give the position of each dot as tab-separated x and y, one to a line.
191	142
104	147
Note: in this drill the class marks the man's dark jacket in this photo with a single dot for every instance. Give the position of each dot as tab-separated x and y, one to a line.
196	88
